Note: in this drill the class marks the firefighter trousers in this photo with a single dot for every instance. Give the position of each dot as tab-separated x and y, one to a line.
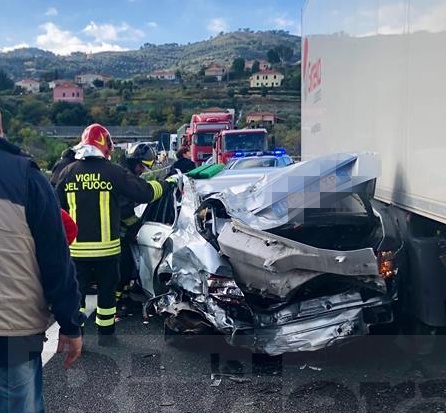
105	273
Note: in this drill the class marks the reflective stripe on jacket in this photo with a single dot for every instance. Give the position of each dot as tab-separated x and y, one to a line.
90	190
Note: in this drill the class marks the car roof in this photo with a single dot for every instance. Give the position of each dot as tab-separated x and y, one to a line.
256	157
236	160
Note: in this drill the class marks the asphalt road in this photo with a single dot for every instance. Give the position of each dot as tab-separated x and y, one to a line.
140	372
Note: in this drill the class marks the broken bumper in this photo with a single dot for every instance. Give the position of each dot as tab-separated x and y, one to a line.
314	332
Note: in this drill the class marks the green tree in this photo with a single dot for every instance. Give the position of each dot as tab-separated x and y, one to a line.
126	94
288	138
292	82
273	56
238	66
284	53
177	110
5	82
33	111
255	67
69	114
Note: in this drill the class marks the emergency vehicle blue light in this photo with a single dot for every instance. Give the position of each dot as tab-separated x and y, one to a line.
279	152
238	154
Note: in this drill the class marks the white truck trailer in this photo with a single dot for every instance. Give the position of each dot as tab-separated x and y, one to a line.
373	80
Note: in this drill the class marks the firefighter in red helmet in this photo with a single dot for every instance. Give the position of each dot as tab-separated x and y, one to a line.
90	189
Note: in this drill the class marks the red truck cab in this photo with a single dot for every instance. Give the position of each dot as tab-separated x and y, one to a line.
229	143
199	136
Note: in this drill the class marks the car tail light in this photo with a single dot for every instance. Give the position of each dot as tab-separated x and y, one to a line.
387	264
224	289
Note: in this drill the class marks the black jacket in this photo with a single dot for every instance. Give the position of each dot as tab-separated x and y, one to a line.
90	190
183	164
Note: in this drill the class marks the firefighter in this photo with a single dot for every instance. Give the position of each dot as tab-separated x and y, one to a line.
138	158
90	189
66	158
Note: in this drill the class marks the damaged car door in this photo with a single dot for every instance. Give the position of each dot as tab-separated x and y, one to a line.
158	220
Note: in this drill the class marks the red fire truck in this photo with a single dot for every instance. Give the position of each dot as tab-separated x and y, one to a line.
234	142
199	136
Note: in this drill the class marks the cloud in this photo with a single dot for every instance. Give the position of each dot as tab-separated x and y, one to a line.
392	19
17	46
109	32
217	25
64	42
152	25
51	11
430	18
282	22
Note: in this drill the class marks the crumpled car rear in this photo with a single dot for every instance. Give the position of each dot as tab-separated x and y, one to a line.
293	260
302	297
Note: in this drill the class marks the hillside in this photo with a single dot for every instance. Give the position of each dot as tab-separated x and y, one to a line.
223	49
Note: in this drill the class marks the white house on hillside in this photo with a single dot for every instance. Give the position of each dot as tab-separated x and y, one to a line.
268	78
216	71
87	79
162	75
30	85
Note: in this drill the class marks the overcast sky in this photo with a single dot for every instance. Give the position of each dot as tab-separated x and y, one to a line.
65	26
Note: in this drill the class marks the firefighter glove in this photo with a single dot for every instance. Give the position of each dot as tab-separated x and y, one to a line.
173	181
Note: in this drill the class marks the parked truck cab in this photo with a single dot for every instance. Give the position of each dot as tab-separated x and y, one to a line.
229	142
199	136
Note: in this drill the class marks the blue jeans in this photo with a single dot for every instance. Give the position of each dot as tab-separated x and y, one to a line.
21	388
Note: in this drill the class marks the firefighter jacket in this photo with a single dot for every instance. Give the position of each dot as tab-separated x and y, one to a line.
128	216
90	189
36	271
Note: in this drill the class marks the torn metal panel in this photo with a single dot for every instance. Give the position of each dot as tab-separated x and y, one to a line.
313	324
192	254
277	266
179	250
315	309
311	334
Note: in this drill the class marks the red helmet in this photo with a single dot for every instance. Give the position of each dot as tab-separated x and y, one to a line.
96	135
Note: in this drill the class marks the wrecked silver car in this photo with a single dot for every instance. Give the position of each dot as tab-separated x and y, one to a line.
293	259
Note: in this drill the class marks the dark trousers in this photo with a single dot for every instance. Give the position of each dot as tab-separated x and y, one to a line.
127	271
105	273
127	267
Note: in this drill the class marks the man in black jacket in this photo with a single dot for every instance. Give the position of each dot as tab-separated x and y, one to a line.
183	162
36	275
